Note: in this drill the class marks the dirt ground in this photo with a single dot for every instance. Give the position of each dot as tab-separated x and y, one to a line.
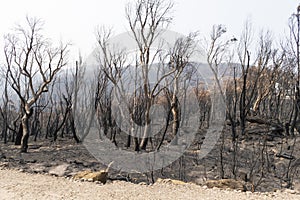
20	185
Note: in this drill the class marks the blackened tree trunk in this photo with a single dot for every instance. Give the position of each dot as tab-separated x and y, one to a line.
19	135
25	136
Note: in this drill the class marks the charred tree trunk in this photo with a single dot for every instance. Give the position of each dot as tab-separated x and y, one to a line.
136	144
296	111
175	112
243	112
128	143
19	135
145	138
25	136
73	129
25	128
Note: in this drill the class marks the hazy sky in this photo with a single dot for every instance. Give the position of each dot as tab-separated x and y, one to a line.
75	21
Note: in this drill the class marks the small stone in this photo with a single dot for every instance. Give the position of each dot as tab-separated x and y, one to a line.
172	181
37	168
290	191
94	176
59	170
31	161
226	183
86	164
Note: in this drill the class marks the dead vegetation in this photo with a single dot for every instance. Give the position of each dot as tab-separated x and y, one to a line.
54	113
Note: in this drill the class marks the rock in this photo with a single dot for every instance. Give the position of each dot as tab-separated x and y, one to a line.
37	168
59	170
98	176
290	191
200	181
172	181
86	164
142	183
92	176
31	161
98	182
81	174
78	162
226	184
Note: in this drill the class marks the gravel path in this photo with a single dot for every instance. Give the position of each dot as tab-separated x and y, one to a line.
18	185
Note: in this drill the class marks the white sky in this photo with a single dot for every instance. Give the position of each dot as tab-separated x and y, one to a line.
75	21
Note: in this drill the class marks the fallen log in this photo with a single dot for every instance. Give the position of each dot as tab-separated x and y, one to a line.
286	156
274	127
